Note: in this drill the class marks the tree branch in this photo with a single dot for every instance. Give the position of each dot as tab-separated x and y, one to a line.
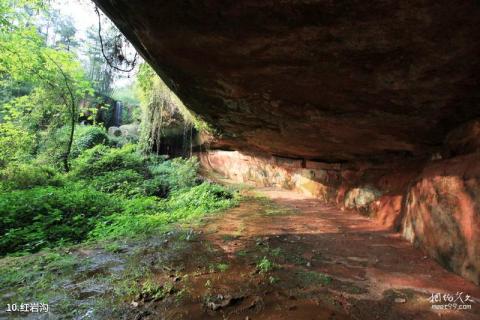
109	62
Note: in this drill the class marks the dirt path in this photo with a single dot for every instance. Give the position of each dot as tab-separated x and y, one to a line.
287	256
278	255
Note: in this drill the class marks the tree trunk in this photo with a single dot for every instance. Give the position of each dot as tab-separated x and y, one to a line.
66	165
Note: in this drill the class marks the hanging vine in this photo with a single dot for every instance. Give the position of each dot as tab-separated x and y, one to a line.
158	109
117	47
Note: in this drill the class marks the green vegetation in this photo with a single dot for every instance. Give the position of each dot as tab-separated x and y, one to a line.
222	267
308	278
63	182
161	107
152	290
273	280
18	176
51	274
14	272
145	215
270	208
51	79
50	216
242	253
265	265
276	252
110	193
79	205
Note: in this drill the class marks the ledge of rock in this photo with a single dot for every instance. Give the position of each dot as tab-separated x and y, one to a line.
329	80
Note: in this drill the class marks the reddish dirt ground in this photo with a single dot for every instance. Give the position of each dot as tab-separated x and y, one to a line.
327	264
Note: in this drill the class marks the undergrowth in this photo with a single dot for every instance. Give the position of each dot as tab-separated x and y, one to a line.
110	193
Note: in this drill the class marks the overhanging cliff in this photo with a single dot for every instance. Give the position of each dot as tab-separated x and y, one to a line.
330	80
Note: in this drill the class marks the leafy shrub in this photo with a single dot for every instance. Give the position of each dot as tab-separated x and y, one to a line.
124	182
198	200
156	186
116	192
140	216
24	176
48	216
52	146
88	137
54	143
124	171
15	143
144	215
177	173
265	265
129	183
101	159
143	205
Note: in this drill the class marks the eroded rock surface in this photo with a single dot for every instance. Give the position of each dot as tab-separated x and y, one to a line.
442	214
436	208
328	97
331	80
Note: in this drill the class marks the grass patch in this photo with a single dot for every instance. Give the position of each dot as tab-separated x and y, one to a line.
308	278
113	247
37	277
222	267
270	208
16	271
151	290
58	232
295	259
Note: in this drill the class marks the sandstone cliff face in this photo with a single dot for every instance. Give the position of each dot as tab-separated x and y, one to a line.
435	205
330	80
367	104
442	214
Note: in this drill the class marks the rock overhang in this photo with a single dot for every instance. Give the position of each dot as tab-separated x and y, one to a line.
330	80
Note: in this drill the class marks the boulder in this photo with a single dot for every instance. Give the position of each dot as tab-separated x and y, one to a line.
360	198
114	131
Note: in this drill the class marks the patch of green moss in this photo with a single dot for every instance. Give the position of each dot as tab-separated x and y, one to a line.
309	278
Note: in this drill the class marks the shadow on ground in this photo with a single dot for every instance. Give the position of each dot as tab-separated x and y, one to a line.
276	256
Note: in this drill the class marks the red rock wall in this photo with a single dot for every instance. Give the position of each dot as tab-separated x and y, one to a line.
442	214
435	205
268	171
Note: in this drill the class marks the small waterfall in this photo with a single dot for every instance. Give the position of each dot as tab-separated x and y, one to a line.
117	114
191	139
